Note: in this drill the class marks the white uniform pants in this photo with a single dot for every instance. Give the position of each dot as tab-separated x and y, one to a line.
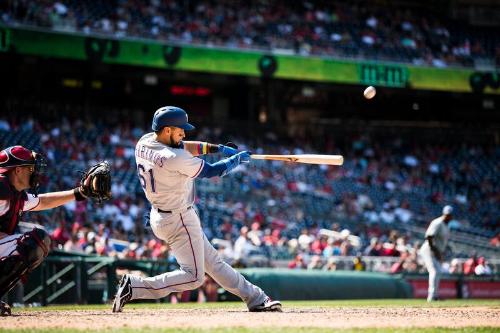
8	245
434	268
195	256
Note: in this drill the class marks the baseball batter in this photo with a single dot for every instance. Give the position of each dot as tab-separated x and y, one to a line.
167	167
433	249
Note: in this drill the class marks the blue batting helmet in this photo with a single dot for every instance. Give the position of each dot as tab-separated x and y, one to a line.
171	116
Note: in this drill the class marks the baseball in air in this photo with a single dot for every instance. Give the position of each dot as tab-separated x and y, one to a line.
369	92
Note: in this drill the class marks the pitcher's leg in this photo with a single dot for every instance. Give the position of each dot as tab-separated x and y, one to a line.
433	269
432	285
188	249
436	278
429	265
230	279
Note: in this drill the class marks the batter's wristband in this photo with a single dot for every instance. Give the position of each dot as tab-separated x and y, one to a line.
78	194
212	149
207	148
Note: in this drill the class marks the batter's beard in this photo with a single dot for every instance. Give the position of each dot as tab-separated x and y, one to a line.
173	144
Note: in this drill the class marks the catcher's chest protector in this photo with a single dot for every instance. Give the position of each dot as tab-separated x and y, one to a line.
10	219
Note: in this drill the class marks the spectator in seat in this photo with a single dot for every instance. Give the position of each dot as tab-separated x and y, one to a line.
397	267
358	264
316	262
482	268
297	263
495	241
470	265
331	265
455	267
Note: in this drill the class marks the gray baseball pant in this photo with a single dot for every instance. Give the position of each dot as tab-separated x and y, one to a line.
434	268
196	256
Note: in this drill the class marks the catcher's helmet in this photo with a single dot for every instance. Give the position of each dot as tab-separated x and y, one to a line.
15	156
171	116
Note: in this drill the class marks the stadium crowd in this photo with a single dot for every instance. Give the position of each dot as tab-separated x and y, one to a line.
325	28
268	211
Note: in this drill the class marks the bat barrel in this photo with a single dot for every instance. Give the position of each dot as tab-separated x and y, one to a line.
304	158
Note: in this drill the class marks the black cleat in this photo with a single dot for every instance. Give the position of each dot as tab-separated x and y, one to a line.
123	295
434	299
4	309
268	306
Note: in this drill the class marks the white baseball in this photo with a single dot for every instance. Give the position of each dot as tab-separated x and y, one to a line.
370	92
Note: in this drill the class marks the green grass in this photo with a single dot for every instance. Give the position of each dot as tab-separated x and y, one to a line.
416	303
270	330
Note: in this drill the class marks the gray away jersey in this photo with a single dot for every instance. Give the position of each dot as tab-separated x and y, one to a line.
166	174
439	230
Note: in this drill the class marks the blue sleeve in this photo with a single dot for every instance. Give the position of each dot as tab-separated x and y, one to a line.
212	170
223	167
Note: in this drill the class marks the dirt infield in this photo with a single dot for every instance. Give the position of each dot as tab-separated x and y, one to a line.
340	317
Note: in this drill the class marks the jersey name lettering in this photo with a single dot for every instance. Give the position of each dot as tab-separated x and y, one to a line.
150	155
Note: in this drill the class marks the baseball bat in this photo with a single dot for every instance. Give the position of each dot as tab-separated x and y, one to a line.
303	158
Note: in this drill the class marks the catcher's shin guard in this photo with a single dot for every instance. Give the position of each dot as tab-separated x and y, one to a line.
32	248
12	268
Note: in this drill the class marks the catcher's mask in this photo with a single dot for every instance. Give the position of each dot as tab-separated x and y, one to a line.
16	156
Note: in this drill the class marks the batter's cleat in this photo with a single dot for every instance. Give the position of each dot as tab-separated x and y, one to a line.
4	309
268	306
123	295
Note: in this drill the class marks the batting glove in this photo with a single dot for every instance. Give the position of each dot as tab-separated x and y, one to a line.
229	149
244	157
235	160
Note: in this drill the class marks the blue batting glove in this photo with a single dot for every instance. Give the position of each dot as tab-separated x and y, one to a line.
227	151
235	160
244	156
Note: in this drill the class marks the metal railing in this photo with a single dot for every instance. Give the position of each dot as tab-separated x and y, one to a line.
77	276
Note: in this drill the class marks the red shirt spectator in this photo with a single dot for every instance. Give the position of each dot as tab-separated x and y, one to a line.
318	245
297	263
495	241
470	265
61	234
273	238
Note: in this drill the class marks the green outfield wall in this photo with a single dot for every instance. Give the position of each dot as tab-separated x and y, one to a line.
66	277
233	62
287	284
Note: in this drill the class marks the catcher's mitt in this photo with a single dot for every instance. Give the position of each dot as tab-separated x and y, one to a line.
96	182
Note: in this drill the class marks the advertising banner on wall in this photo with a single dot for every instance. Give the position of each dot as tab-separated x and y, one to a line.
256	63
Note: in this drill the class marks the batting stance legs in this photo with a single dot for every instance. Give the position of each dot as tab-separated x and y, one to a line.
196	256
230	279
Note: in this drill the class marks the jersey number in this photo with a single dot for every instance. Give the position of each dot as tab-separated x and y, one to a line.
141	171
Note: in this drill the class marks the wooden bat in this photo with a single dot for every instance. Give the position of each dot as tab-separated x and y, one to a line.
303	158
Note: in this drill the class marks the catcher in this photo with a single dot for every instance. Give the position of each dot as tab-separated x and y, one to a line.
20	170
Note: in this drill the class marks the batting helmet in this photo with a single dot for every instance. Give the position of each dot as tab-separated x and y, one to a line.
171	116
